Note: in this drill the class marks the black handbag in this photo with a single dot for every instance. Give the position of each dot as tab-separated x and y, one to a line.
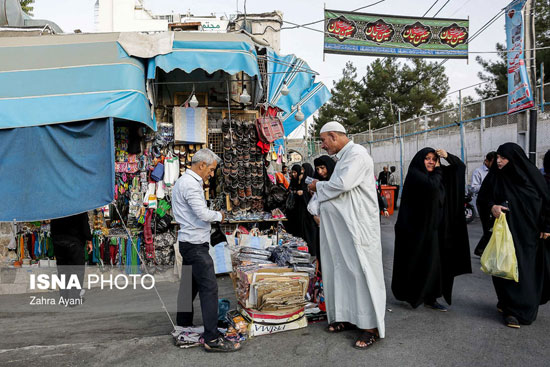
163	224
216	234
290	201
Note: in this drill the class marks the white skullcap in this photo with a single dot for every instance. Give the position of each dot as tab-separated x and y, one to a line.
333	126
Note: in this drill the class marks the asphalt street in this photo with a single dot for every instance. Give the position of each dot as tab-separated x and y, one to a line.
470	334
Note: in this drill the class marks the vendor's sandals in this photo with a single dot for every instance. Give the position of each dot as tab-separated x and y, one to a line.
221	345
511	321
366	337
338	327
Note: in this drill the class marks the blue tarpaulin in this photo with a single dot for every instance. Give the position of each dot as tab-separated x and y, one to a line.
291	70
311	100
63	78
56	170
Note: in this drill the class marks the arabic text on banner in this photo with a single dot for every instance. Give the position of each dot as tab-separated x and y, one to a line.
388	35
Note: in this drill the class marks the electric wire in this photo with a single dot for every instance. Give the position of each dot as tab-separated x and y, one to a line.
441	9
322	20
461	7
427	11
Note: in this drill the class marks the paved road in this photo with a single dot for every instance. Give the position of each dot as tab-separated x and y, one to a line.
470	334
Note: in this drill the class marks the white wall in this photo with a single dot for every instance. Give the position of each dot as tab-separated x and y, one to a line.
478	142
122	16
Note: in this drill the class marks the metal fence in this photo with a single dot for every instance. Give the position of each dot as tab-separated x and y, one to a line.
483	127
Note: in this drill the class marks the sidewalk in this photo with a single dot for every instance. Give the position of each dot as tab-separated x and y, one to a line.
470	334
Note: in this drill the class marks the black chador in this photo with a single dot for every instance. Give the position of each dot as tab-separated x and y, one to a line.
431	238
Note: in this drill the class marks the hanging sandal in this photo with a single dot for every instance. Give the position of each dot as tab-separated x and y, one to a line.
221	345
338	327
366	337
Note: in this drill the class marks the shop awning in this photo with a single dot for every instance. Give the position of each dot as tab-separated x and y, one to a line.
311	101
231	53
54	79
289	70
57	170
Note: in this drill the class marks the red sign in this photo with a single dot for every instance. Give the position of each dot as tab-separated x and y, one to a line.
379	31
453	35
416	34
341	28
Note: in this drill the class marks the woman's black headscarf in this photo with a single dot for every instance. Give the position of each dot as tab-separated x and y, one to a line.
520	169
308	170
418	160
326	161
294	180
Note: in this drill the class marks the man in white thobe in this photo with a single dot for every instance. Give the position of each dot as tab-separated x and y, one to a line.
351	250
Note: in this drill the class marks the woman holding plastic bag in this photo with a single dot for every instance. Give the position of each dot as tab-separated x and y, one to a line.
431	238
516	187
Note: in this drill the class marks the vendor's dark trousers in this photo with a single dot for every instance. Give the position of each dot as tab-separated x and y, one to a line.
204	283
69	255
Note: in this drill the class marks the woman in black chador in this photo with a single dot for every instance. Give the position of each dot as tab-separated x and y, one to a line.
302	224
515	186
431	238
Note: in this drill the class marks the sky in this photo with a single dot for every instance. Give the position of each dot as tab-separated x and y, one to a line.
308	44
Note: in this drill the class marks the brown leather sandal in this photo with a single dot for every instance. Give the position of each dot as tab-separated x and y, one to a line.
338	327
366	337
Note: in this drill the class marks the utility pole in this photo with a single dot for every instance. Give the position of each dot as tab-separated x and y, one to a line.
401	152
530	53
461	126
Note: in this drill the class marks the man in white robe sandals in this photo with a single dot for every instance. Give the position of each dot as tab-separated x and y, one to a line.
351	250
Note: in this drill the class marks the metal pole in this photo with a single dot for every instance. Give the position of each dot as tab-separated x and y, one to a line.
370	133
531	65
400	153
461	126
541	97
324	28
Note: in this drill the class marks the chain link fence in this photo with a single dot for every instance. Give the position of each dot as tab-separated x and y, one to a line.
482	127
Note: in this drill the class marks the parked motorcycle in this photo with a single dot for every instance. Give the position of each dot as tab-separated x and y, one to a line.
468	207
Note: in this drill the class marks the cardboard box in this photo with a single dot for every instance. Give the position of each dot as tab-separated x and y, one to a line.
272	317
257	328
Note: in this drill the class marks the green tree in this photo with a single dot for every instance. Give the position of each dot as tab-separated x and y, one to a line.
345	96
542	35
26	6
495	74
413	89
386	86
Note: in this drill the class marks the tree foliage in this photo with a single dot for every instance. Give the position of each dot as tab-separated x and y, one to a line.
345	96
495	74
386	86
26	6
542	35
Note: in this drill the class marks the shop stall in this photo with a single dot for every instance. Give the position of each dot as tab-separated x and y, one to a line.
108	122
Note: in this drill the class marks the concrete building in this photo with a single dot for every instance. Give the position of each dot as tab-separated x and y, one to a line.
126	16
132	16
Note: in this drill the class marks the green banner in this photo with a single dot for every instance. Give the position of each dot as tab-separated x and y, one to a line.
394	36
